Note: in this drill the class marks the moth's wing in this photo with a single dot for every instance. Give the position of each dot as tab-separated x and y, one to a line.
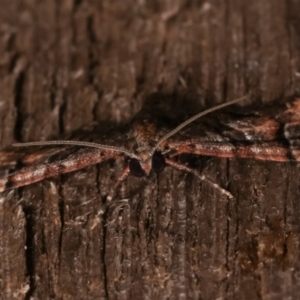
26	165
270	133
23	156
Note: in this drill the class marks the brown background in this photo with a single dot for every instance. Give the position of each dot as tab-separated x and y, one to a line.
66	63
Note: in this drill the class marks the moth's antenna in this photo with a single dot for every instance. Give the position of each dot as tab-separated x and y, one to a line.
192	119
78	143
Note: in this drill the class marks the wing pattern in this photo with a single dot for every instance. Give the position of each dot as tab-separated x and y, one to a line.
271	133
23	166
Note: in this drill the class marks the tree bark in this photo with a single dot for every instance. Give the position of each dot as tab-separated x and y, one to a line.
65	64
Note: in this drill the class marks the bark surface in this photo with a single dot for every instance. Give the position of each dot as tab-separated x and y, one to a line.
65	64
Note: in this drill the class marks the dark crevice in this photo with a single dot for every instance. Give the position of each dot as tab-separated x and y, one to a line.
93	63
52	91
11	43
247	85
44	248
285	208
13	62
227	288
90	30
158	189
76	5
224	91
103	252
237	227
62	223
227	224
29	249
98	174
96	103
61	122
18	89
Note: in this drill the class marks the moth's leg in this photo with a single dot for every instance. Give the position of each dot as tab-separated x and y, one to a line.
73	162
121	178
182	167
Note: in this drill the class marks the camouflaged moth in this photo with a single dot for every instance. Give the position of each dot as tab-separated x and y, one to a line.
270	133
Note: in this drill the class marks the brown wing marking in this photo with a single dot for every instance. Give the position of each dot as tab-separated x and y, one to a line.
270	134
266	151
11	157
35	173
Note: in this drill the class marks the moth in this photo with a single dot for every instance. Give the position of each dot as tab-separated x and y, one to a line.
152	140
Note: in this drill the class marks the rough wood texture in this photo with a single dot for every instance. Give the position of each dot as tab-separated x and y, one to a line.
64	64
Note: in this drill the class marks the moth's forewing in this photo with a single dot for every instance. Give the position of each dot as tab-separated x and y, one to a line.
269	133
23	166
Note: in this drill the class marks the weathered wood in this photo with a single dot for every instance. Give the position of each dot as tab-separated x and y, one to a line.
64	64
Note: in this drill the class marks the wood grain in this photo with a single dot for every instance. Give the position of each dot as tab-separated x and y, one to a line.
64	64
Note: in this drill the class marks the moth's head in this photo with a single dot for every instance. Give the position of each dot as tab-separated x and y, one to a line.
146	164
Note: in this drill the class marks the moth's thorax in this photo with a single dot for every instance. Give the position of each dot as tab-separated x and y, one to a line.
147	128
144	132
146	160
149	125
146	166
